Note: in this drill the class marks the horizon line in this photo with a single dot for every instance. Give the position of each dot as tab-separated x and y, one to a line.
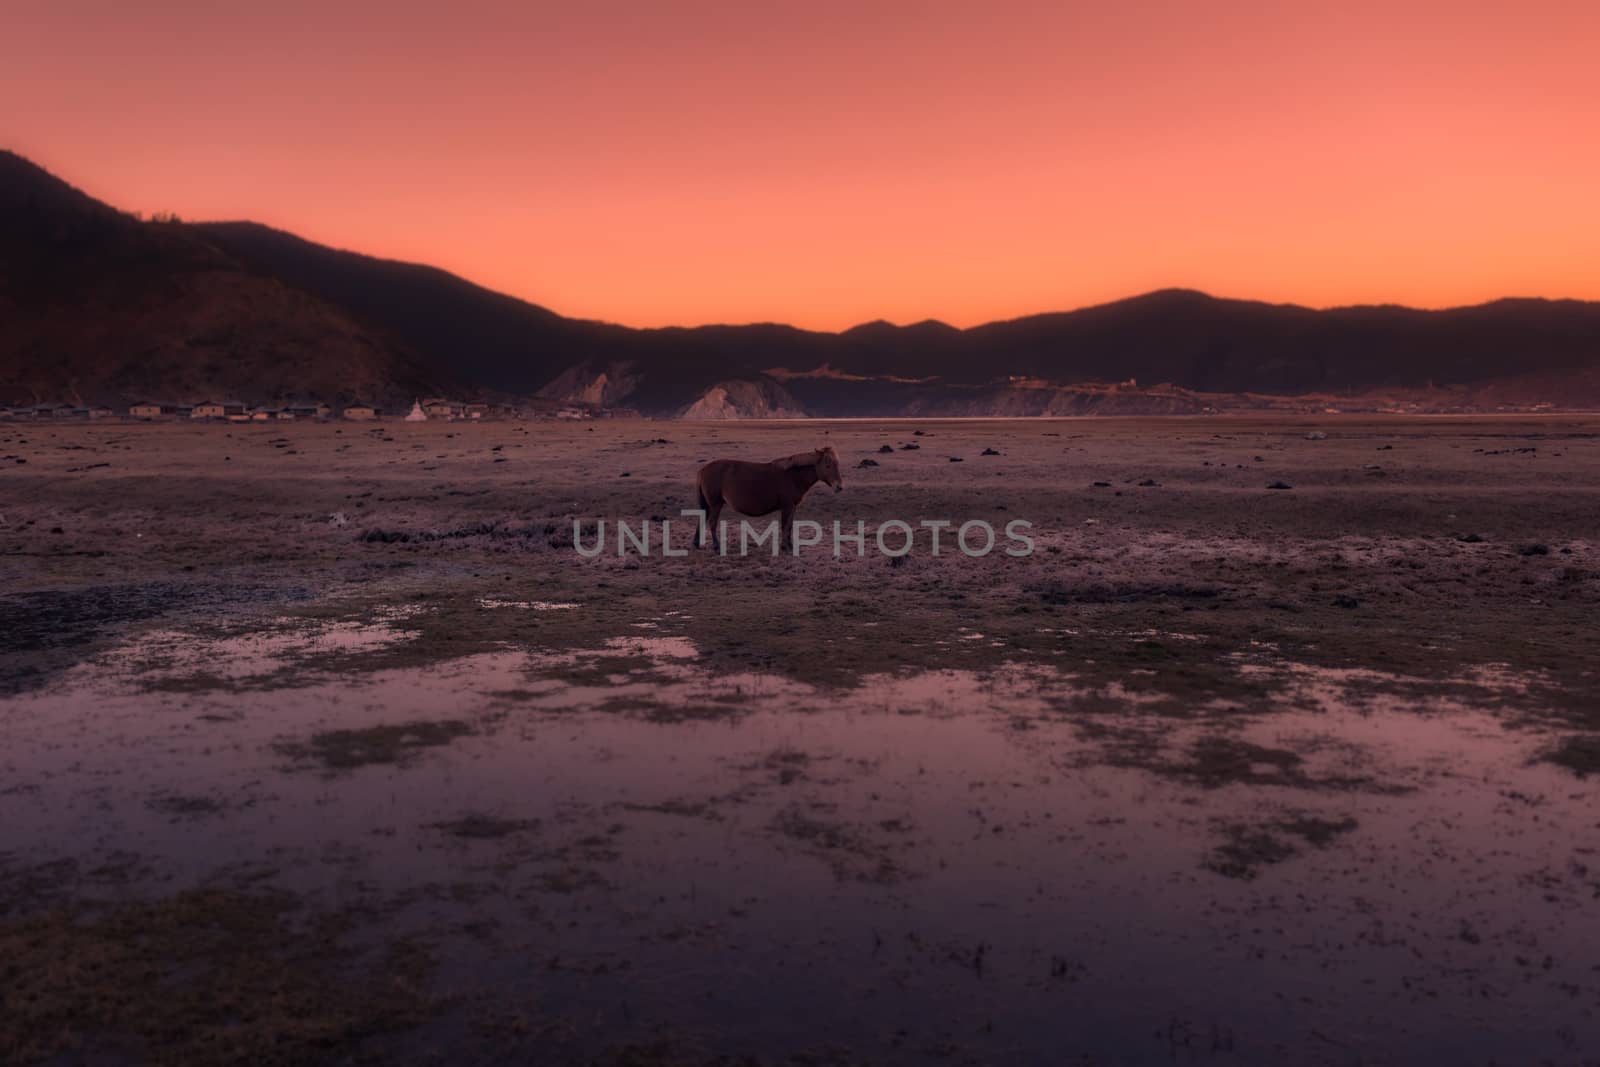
1143	294
153	218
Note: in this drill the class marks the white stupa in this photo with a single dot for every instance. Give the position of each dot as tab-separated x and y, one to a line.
417	414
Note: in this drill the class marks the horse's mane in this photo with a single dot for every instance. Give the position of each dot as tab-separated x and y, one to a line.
799	459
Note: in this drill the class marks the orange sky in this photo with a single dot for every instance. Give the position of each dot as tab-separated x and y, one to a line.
682	162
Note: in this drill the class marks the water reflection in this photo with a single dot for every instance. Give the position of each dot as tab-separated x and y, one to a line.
997	864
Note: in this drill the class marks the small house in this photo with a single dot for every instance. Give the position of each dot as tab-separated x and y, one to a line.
361	412
263	414
100	411
443	409
215	409
147	410
309	411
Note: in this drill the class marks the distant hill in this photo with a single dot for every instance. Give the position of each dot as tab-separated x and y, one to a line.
513	347
98	306
101	306
1199	342
493	340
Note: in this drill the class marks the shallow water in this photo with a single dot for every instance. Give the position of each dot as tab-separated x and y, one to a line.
992	866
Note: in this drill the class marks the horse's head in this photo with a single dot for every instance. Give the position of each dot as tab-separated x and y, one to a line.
828	469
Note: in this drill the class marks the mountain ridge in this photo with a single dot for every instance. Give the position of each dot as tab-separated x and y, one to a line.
101	305
98	306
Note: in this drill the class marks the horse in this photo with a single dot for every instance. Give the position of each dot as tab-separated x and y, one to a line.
761	488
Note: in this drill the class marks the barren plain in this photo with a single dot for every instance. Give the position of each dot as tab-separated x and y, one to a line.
322	743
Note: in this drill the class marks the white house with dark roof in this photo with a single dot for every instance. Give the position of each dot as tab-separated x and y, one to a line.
437	408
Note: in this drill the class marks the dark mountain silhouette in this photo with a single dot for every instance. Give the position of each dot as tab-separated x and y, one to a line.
1180	337
497	341
1206	344
99	305
507	345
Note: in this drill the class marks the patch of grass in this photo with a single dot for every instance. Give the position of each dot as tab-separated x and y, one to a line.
484	827
388	744
206	977
1315	831
846	848
675	713
1215	761
623	705
1579	754
185	805
517	695
288	676
572	879
1247	848
26	888
788	765
689	809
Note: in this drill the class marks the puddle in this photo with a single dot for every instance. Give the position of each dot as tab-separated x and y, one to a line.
998	864
166	657
661	648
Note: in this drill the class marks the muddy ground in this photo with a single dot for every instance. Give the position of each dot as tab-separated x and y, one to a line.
323	743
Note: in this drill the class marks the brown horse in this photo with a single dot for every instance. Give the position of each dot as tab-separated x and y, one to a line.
762	488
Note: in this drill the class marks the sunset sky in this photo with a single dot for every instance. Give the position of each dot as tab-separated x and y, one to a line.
828	163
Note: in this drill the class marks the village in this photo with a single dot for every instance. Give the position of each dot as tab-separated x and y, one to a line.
422	410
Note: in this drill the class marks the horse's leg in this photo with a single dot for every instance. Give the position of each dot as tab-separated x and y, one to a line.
705	512
714	516
786	531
